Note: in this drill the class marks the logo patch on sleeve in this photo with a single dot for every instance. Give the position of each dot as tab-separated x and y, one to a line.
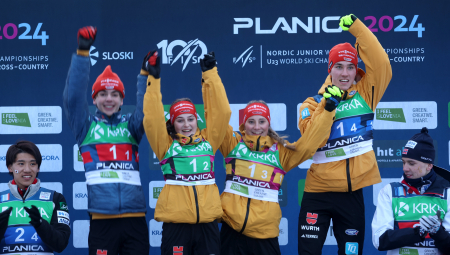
63	206
305	113
45	195
63	214
64	221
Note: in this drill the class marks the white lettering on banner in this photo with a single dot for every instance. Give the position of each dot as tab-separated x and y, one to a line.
51	157
185	55
155	233
80	238
31	120
261	184
406	115
283	24
277	114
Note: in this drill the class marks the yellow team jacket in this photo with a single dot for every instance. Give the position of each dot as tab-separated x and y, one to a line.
264	217
363	169
176	204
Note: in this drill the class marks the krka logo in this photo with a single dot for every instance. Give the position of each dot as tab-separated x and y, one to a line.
402	209
98	132
16	119
390	114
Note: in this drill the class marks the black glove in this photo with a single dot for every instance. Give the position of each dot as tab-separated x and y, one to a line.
333	96
4	217
35	216
86	37
151	64
208	62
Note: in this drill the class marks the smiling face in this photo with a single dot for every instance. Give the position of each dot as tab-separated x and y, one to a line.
185	124
24	170
343	74
415	169
108	101
257	125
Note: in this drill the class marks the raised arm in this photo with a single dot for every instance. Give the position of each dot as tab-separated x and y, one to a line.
378	67
74	96
135	125
154	120
217	108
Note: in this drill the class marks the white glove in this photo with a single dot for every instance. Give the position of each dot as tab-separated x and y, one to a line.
430	224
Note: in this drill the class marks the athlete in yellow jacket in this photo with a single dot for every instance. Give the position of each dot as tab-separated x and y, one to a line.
345	162
256	163
189	203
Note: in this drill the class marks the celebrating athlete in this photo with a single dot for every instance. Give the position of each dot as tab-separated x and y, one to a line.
189	203
256	162
108	141
345	163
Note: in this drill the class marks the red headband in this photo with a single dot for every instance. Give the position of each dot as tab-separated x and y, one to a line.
182	107
256	109
342	52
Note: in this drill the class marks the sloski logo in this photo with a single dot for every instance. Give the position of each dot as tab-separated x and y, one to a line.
93	53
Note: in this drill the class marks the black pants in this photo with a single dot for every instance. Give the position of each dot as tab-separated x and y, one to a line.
347	211
234	243
119	236
190	239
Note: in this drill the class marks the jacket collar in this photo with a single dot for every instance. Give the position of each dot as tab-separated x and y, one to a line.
32	189
115	118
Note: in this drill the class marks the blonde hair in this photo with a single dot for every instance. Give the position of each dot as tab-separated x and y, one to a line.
272	133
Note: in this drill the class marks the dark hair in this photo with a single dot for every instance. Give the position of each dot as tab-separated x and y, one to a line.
22	147
169	126
272	133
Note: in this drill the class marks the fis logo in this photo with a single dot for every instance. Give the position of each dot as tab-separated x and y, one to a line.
245	57
190	52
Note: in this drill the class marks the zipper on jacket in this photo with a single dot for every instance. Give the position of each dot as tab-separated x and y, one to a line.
349	181
246	215
26	194
257	143
196	203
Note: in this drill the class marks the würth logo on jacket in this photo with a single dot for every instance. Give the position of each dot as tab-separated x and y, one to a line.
311	218
177	250
102	252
